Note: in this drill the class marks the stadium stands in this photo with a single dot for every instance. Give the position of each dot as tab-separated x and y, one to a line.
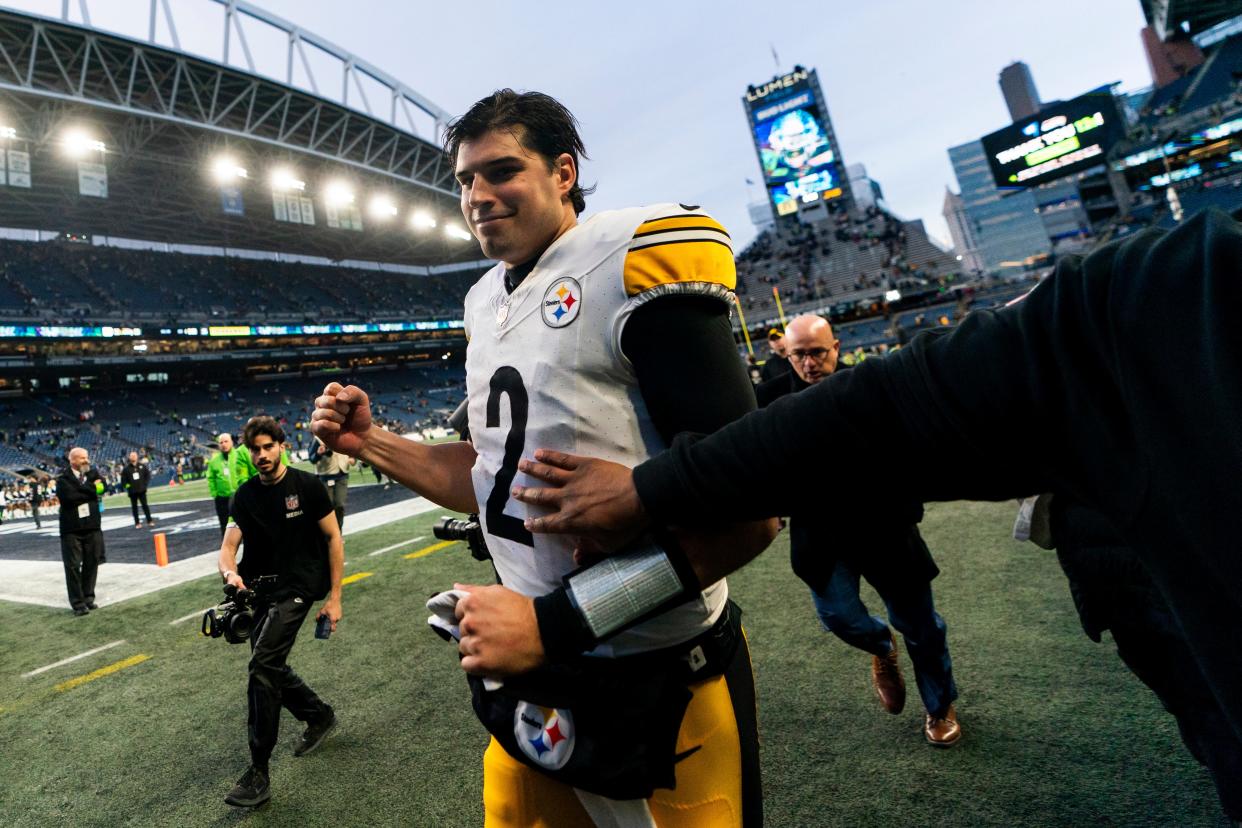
172	426
61	282
848	257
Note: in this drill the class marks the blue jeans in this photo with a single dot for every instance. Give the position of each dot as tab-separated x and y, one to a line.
912	613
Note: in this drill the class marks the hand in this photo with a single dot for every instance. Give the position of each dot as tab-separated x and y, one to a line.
235	580
499	631
332	609
342	418
589	497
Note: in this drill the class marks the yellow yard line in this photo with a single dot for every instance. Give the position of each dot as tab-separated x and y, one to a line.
100	673
357	576
435	547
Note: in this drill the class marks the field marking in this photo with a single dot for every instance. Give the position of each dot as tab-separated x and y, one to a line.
101	672
72	659
357	576
394	546
435	547
198	614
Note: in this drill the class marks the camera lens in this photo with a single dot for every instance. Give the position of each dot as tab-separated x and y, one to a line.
240	624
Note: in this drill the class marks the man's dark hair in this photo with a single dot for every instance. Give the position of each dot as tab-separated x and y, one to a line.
539	122
262	425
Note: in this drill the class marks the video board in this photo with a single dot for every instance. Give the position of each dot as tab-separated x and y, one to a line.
1062	139
794	142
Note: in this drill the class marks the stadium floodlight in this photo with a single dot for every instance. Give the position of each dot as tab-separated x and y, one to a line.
338	194
422	220
78	143
225	170
284	179
454	231
383	208
8	133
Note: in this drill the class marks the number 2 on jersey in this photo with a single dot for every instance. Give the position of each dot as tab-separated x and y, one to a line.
507	381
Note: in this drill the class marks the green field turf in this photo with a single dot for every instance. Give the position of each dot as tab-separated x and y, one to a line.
1057	732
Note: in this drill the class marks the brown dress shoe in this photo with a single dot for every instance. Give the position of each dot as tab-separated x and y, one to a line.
886	676
942	731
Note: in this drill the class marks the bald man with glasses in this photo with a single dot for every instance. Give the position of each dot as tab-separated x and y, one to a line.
883	547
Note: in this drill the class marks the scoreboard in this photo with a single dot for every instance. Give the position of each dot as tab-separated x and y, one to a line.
1063	139
794	140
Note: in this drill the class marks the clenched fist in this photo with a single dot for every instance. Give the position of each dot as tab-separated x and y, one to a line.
342	418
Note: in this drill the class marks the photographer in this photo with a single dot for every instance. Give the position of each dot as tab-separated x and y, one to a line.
287	523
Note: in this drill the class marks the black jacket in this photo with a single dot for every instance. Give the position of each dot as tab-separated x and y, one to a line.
1118	381
774	366
73	495
136	485
883	544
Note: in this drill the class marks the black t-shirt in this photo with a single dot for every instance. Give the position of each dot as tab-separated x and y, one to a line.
281	535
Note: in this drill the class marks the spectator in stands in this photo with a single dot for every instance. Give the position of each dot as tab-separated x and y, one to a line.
135	477
881	544
227	469
333	470
81	539
777	363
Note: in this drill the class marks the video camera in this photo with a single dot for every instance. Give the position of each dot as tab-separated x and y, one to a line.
468	530
234	619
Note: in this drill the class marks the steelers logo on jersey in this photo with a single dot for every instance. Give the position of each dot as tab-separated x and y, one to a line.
545	734
562	302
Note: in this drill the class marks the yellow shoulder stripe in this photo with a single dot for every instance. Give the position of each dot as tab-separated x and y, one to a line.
674	262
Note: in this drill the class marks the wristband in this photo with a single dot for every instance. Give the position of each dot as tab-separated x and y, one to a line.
562	629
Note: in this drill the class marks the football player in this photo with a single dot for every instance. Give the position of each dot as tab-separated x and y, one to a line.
629	697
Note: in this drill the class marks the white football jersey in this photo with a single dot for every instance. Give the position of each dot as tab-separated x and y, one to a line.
544	369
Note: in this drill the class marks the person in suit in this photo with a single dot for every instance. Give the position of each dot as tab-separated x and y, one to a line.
135	477
81	539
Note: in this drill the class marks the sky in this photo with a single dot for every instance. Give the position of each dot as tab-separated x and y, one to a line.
657	86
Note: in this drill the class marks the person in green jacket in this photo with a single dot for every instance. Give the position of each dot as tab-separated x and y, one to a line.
227	469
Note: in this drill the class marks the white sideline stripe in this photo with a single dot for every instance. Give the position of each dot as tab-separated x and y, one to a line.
198	614
72	659
43	582
394	546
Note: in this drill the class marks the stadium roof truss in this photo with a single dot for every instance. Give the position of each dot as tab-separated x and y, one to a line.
61	60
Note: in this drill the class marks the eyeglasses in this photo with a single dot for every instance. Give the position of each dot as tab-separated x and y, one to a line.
816	354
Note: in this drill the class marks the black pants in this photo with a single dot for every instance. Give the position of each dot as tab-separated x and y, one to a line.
223	504
82	553
273	684
134	498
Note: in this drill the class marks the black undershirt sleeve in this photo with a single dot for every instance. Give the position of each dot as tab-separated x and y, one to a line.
693	381
688	367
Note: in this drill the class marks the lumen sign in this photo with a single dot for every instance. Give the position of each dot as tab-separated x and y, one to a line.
1063	139
755	93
